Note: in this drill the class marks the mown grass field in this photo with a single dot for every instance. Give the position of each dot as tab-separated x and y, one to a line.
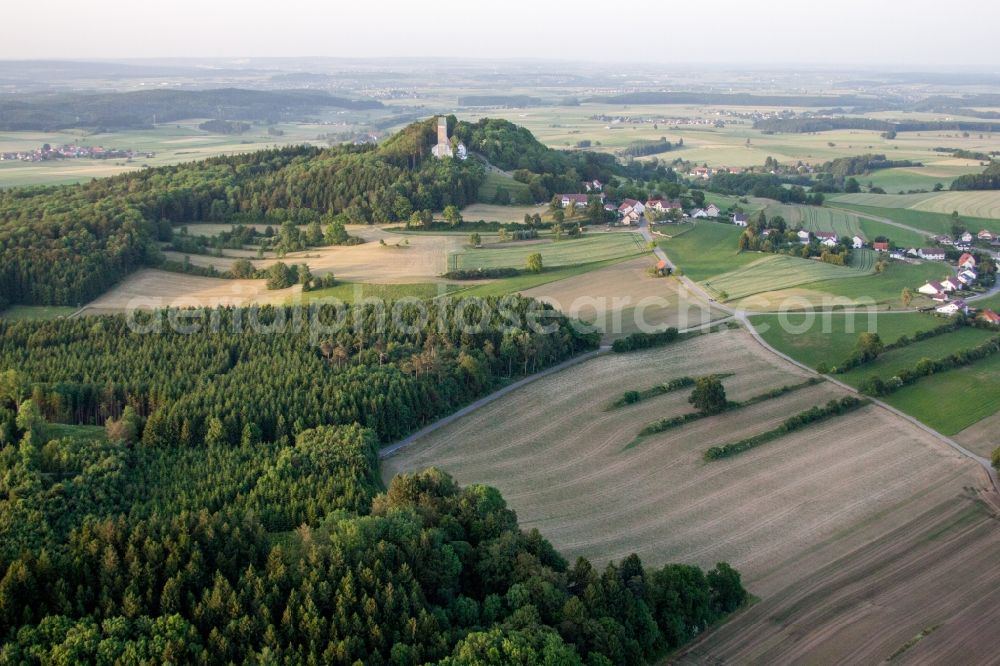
527	281
706	250
901	237
814	218
953	400
885	287
36	312
595	246
981	203
350	292
830	337
891	362
880	200
904	179
931	212
494	180
771	272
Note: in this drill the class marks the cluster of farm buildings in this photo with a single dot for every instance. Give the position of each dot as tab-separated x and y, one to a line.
71	151
630	211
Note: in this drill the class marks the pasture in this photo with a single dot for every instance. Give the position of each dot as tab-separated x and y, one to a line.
593	246
830	337
881	200
495	180
881	290
772	272
353	292
804	518
814	218
526	281
982	204
891	362
872	229
930	213
953	400
622	298
706	249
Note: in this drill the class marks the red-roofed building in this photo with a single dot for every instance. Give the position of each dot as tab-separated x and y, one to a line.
967	261
880	246
990	316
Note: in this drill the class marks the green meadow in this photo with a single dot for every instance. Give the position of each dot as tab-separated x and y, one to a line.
830	337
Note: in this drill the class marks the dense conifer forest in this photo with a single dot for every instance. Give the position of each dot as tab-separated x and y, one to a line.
233	511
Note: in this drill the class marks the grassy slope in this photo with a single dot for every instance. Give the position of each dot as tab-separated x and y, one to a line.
933	223
528	280
707	250
830	337
901	237
893	361
884	287
813	218
349	292
953	400
777	271
488	190
567	252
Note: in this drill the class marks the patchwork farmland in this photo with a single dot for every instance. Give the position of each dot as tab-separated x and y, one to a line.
794	515
595	246
777	271
625	293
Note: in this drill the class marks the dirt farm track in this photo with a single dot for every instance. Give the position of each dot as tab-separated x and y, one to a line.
857	534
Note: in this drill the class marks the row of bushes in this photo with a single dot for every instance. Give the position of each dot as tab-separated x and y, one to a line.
632	397
637	341
875	385
859	358
481	273
674	421
800	420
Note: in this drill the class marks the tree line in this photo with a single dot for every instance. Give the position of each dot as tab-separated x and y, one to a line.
66	245
183	537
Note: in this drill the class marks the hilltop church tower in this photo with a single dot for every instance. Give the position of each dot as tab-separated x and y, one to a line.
443	147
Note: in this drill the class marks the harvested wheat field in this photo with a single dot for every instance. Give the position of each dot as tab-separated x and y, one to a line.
150	288
783	513
622	299
403	257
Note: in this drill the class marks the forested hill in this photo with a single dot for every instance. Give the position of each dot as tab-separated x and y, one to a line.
235	512
141	108
66	245
989	179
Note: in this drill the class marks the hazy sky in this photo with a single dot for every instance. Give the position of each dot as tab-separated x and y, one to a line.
870	32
